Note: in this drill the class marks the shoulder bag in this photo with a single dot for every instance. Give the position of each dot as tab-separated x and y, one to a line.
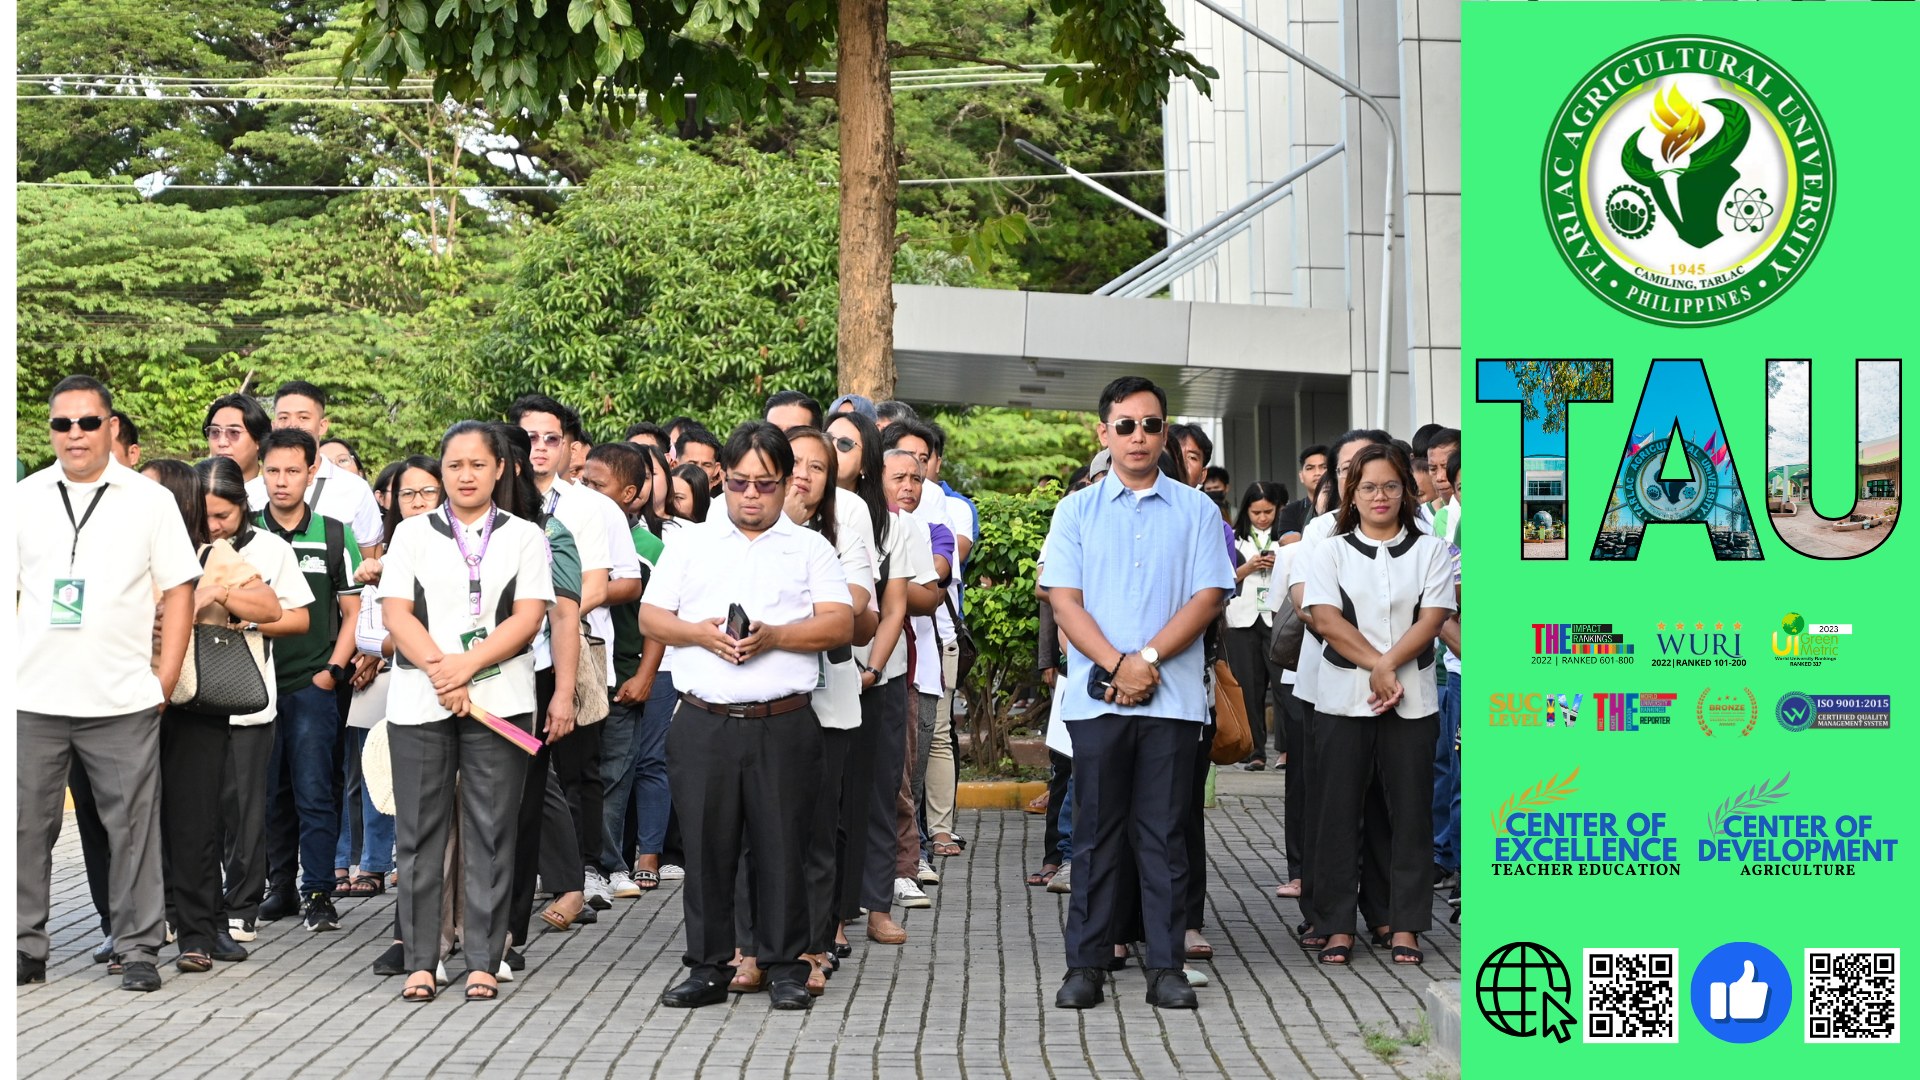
968	652
222	674
590	683
1232	737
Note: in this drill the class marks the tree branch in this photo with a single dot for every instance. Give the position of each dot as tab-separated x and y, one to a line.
933	50
804	88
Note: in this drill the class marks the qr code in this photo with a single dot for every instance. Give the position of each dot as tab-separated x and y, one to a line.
1631	995
1853	995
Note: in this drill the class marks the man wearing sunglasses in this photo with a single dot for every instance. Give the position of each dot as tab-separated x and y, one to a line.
744	750
1135	571
609	577
88	684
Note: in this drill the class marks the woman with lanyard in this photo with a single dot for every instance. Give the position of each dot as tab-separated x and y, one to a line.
1377	591
194	745
1248	624
464	591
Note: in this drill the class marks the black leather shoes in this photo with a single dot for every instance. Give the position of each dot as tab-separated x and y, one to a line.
391	962
1167	988
1081	990
225	949
696	992
140	976
31	970
516	960
790	995
105	952
279	904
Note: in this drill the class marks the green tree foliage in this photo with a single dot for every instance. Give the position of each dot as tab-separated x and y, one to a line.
1002	613
1546	386
676	283
1009	450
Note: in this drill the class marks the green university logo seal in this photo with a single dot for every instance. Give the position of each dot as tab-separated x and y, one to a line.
1688	181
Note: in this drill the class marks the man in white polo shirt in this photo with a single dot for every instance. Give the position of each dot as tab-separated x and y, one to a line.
744	751
88	684
609	577
333	492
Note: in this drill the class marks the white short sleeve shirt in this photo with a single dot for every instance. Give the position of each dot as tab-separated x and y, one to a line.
909	555
280	568
836	702
134	543
423	562
777	577
1381	587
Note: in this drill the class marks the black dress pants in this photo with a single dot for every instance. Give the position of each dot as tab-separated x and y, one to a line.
193	754
545	841
1291	741
93	840
1352	754
850	823
1133	782
884	709
576	763
736	779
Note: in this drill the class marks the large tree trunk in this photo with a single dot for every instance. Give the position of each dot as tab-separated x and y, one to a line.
867	198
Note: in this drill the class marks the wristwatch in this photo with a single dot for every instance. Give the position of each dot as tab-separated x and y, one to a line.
1152	656
339	672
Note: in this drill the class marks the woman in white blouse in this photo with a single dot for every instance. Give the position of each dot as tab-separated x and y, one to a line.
1249	622
1376	591
463	592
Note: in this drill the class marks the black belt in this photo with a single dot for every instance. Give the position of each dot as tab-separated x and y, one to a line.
752	710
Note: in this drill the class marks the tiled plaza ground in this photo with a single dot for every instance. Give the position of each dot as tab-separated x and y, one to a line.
969	996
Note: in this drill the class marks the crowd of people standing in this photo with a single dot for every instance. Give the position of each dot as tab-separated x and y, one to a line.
536	664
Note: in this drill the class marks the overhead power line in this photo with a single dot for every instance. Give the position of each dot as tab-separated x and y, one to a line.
348	188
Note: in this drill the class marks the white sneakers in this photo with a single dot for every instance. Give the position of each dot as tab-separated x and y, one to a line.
907	894
927	874
621	885
598	893
241	929
1062	879
672	872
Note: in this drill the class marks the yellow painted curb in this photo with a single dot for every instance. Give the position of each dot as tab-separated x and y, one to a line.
998	794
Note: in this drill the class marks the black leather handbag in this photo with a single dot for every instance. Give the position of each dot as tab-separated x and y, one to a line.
222	673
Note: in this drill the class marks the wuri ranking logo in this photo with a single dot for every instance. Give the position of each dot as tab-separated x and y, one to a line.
1688	180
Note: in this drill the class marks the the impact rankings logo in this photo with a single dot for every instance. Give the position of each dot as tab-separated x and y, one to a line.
1687	180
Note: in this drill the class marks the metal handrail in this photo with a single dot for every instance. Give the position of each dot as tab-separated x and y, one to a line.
1045	158
1164	275
1387	216
1229	214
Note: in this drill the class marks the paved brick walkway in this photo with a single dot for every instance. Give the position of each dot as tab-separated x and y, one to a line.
970	995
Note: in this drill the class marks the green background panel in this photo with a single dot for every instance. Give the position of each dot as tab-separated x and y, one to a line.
1521	302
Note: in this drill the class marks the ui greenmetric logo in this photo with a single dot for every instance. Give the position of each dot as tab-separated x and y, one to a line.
1688	180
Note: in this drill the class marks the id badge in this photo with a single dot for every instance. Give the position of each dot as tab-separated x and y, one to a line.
467	641
69	603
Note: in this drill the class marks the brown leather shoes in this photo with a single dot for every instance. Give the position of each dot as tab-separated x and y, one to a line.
883	930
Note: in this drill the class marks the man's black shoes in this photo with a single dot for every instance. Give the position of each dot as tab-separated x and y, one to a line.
31	970
790	995
225	949
279	904
140	976
1081	990
696	992
1167	988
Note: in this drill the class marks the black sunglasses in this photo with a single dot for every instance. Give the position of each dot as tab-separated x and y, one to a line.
1152	425
64	424
764	487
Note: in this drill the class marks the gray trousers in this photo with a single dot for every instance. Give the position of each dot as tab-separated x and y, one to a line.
122	756
243	808
427	758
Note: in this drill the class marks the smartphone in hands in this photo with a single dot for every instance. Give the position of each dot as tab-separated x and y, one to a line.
737	622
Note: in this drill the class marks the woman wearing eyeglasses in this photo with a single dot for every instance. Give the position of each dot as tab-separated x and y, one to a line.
464	591
1377	591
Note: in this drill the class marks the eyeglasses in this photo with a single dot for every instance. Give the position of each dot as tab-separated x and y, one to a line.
63	424
764	487
226	434
844	444
1152	425
549	439
417	494
1391	491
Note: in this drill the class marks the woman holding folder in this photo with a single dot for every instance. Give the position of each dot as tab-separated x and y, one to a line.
464	591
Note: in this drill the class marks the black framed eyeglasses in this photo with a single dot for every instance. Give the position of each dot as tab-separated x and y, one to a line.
844	444
64	424
764	487
1152	425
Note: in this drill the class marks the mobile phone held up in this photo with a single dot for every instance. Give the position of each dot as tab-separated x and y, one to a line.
737	623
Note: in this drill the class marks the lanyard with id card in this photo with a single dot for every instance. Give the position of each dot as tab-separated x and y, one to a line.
473	559
70	593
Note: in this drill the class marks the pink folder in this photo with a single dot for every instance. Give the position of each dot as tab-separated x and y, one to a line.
522	739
